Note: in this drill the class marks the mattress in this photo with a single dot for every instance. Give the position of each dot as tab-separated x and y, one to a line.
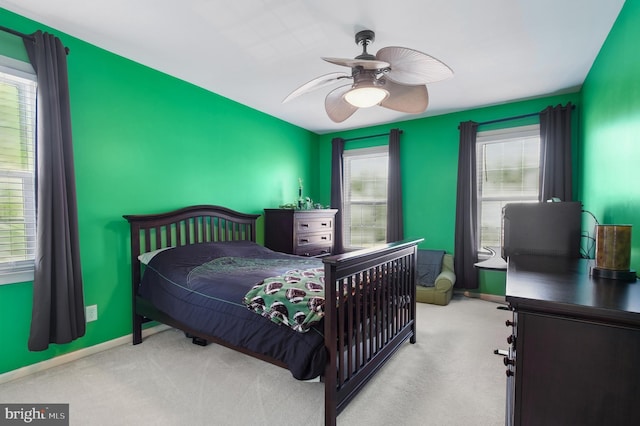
203	286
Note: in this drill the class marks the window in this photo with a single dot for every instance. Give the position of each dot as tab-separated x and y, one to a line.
508	167
17	174
365	196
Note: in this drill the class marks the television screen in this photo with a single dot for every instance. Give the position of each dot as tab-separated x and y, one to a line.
541	229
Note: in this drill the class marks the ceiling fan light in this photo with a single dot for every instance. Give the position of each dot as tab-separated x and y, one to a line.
365	97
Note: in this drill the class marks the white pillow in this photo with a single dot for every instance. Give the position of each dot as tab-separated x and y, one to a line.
145	258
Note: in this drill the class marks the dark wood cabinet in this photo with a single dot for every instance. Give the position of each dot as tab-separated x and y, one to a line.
576	344
300	232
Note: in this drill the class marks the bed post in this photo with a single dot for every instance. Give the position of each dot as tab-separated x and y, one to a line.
331	345
137	328
412	288
136	320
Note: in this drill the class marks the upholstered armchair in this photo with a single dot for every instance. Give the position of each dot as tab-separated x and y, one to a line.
436	277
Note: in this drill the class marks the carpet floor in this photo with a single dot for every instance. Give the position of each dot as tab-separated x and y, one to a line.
449	377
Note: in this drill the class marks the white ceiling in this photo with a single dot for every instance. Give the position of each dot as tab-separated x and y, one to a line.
256	52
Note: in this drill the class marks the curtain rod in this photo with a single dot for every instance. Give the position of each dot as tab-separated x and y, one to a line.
16	33
371	136
24	36
533	114
499	120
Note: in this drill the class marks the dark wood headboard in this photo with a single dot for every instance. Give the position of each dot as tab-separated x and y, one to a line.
185	226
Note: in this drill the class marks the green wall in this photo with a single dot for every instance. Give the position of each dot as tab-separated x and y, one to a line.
429	157
145	142
611	129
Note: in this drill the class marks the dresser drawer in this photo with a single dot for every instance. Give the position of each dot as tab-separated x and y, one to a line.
313	250
313	224
325	238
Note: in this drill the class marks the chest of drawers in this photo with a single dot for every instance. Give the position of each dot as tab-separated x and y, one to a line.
300	232
574	344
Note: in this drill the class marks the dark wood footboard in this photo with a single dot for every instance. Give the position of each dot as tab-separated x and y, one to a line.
369	312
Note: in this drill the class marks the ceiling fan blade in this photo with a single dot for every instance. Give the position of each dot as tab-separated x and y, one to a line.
410	66
412	99
316	83
337	108
367	64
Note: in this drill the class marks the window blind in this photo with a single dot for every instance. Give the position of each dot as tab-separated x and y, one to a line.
365	190
508	170
17	175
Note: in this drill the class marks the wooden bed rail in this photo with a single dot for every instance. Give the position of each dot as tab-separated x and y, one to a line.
369	312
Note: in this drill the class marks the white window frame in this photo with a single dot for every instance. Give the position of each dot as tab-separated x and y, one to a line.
500	136
22	270
347	157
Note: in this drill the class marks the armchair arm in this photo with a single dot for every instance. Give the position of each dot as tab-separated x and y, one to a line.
445	280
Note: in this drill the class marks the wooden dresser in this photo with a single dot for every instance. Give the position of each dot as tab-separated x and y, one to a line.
301	232
574	357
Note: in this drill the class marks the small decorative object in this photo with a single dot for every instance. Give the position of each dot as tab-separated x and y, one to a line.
613	252
303	203
300	200
290	206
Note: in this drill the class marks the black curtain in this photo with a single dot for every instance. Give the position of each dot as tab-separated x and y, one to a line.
337	195
555	153
395	226
465	250
58	303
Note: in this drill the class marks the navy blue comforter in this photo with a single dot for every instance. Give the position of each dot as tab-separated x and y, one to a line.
203	285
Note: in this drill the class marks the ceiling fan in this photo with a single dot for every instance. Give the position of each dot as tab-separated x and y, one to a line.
394	78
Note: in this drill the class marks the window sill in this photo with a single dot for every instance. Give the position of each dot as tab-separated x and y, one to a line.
490	258
16	277
488	252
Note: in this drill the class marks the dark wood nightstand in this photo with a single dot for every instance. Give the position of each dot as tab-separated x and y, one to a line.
301	232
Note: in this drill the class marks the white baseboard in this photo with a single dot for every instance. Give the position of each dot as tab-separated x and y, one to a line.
488	297
76	355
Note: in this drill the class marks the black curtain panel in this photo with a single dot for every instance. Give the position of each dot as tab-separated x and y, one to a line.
58	303
555	153
395	225
465	250
337	195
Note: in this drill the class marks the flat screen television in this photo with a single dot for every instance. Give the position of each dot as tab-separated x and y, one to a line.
552	228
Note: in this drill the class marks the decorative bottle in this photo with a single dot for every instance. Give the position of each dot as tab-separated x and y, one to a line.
300	199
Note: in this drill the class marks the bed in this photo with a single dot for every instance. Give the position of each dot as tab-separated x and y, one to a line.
200	270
